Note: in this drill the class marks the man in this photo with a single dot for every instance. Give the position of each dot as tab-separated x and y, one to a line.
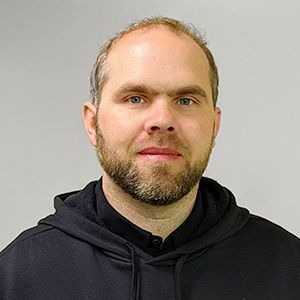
152	227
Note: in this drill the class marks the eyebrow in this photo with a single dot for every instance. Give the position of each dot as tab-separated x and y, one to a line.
144	89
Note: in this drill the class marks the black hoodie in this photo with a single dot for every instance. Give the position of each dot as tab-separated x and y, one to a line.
70	255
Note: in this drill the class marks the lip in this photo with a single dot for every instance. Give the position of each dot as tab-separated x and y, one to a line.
155	154
159	151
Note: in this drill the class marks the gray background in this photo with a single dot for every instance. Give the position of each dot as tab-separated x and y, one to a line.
47	51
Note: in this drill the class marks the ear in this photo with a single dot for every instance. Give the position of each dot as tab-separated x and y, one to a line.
89	119
217	121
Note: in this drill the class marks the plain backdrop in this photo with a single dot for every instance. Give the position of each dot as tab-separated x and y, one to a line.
47	52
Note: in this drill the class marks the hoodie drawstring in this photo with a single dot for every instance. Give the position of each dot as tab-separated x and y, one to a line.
134	277
178	267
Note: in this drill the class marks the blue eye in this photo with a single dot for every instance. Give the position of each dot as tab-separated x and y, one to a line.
135	99
185	101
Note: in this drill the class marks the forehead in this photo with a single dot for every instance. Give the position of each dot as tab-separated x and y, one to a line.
157	40
158	56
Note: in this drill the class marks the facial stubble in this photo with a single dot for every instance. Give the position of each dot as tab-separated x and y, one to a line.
156	184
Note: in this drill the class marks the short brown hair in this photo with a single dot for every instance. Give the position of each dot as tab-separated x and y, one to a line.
99	73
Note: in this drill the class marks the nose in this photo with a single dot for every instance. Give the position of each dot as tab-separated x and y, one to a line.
160	118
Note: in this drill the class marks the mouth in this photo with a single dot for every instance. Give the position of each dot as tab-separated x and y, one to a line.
159	154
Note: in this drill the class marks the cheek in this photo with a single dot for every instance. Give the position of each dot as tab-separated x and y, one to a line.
198	132
118	131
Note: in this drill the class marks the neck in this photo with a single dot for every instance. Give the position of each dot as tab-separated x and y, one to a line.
159	220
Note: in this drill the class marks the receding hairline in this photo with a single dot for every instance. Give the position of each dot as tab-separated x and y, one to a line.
151	28
146	29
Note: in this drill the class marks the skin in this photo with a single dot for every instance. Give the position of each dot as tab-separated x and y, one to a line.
158	95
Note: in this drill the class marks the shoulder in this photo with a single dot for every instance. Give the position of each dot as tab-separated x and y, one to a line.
32	243
269	231
24	238
269	240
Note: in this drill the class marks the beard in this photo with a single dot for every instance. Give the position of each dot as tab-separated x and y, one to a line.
156	184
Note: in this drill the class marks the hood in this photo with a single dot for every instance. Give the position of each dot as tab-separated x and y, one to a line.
76	215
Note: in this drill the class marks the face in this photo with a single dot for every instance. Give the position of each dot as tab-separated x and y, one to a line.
156	123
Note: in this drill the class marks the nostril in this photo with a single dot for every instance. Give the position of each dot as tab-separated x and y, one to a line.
154	128
157	128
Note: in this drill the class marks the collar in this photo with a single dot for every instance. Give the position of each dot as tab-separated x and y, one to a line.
145	240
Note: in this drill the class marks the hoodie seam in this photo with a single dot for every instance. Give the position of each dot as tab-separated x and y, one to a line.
259	219
19	240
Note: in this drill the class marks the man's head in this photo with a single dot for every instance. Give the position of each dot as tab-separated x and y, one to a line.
153	118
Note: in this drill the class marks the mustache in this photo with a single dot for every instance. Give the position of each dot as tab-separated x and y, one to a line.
161	141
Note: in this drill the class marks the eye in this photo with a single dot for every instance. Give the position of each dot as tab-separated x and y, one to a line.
186	101
135	99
